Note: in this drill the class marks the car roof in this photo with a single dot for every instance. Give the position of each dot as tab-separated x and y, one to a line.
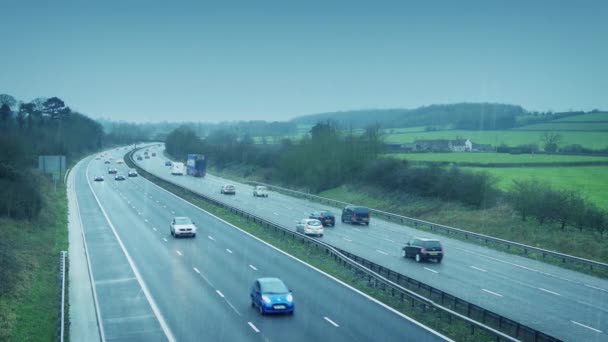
427	239
269	280
181	217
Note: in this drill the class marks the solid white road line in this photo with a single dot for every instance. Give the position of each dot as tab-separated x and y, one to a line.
142	284
586	326
349	240
253	327
381	252
232	306
331	322
430	270
491	292
229	251
220	293
253	267
196	270
179	253
479	269
551	292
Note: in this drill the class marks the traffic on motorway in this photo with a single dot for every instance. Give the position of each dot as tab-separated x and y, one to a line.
515	287
217	281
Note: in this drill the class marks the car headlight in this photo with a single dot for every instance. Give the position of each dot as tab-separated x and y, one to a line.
266	299
289	298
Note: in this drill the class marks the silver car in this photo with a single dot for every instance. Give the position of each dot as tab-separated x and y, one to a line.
310	227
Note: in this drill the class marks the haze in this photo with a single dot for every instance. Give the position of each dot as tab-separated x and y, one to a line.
143	61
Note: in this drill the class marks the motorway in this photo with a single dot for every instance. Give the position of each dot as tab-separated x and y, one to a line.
148	286
565	304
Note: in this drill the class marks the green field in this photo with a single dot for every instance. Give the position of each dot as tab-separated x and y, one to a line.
595	140
586	117
494	157
591	181
567	126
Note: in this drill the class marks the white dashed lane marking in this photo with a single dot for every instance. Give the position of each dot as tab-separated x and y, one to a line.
253	327
220	293
331	322
479	269
179	253
381	252
430	270
586	326
196	270
492	292
548	291
253	267
165	239
229	251
210	237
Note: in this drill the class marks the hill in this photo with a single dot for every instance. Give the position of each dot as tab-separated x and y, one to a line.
474	116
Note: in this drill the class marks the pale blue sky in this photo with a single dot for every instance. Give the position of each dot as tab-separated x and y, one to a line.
273	60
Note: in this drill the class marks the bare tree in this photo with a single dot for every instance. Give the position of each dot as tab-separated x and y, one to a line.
551	141
7	100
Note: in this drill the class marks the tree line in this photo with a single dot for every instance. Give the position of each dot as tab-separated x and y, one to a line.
328	157
43	126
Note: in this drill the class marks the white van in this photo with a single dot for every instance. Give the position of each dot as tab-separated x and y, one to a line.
177	169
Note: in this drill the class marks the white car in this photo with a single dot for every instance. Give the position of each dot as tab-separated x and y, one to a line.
310	227
177	169
260	191
181	226
228	189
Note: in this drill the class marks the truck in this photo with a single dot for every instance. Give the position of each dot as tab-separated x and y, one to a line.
196	165
177	169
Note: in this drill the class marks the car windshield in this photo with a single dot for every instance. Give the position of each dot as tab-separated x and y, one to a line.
273	286
314	223
431	244
182	220
261	188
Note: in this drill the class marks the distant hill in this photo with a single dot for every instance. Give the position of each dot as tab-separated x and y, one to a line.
477	116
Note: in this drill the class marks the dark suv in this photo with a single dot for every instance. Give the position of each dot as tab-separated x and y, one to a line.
355	214
423	249
326	217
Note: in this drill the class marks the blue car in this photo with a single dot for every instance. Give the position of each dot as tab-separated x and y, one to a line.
270	295
168	163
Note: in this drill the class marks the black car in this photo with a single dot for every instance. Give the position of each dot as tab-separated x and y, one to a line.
355	214
98	179
422	249
119	177
132	173
326	217
112	170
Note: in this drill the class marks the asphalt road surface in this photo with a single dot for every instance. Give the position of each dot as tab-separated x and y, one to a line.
565	304
150	286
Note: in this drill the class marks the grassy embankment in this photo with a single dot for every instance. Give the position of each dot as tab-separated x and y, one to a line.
29	312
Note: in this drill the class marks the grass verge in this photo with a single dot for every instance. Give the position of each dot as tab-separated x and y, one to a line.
439	321
29	311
